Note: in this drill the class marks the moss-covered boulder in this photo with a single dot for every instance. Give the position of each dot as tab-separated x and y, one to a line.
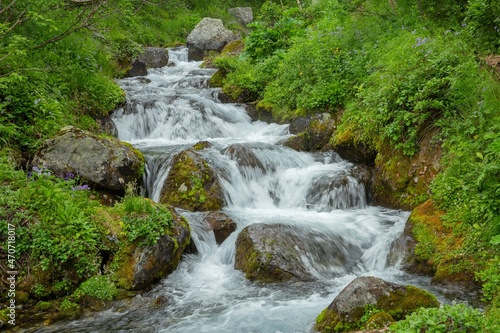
432	248
353	307
192	184
313	132
136	266
104	163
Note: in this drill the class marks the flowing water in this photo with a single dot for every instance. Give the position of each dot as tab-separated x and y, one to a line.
316	195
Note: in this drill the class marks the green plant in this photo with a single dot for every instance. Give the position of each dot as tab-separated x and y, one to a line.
144	220
98	287
457	318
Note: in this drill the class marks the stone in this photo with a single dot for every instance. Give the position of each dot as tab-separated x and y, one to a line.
138	68
243	15
313	132
192	184
208	35
103	163
154	57
140	266
221	225
365	293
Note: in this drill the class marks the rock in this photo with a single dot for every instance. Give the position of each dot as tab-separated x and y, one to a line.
280	253
244	15
104	163
244	156
402	182
364	294
138	68
192	184
270	253
140	266
313	132
424	240
154	57
221	224
356	152
208	35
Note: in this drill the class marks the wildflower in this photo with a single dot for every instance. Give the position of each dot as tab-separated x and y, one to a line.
69	176
81	188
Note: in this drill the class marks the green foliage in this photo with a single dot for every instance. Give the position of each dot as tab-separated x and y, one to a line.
144	220
457	318
53	220
98	287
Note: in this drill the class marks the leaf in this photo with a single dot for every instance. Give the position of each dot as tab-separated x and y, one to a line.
495	240
478	154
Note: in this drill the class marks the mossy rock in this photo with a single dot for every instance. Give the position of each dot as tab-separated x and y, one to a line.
401	181
363	294
379	320
432	248
137	266
192	184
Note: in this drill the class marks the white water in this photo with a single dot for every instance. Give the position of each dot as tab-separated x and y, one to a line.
171	110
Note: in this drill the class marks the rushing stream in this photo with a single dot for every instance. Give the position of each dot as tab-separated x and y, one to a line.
172	109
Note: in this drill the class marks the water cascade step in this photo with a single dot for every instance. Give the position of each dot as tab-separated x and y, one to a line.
318	198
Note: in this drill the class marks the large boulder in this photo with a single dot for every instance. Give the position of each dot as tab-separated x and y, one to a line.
369	295
280	253
104	163
138	68
208	35
270	253
243	15
154	57
139	266
192	184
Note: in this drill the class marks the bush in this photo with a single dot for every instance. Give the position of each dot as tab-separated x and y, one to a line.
447	319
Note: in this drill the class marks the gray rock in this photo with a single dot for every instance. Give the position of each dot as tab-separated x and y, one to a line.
313	132
154	57
104	163
208	35
244	15
351	304
138	69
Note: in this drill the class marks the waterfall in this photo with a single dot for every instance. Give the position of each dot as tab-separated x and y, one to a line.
316	196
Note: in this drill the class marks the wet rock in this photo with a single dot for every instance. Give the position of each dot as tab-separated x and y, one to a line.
313	132
154	57
208	35
355	152
244	156
192	184
140	266
279	253
104	163
362	294
221	224
138	68
269	253
244	15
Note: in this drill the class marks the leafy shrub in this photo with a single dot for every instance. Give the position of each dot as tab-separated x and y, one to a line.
448	318
144	220
98	287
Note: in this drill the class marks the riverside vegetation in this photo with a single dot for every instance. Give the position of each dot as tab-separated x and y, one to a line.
390	71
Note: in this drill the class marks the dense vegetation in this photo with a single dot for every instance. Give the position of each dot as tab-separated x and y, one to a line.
390	69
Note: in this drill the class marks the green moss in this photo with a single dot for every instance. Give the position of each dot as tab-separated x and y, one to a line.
379	320
43	306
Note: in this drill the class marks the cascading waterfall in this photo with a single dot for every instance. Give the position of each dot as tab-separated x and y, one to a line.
317	196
